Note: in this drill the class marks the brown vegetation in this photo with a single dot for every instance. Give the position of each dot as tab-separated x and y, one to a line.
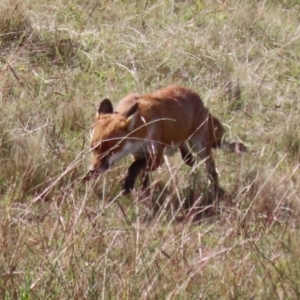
63	240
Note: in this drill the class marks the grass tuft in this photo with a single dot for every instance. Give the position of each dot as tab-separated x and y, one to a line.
15	26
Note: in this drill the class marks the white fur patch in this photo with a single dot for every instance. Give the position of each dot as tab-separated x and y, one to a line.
127	149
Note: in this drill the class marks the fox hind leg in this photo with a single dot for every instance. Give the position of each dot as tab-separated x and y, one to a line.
205	154
187	155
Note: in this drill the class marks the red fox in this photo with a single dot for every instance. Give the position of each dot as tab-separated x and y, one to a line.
151	126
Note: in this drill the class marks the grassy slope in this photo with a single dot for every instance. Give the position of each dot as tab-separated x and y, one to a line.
57	60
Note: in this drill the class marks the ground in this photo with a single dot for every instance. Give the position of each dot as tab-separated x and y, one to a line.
64	239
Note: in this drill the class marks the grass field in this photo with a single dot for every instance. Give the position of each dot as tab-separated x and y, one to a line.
62	239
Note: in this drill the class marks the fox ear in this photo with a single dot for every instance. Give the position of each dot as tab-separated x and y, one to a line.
131	115
105	107
132	110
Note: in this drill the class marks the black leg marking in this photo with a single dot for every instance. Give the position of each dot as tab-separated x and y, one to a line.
187	156
133	172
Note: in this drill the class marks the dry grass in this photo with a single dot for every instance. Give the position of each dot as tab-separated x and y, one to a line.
64	240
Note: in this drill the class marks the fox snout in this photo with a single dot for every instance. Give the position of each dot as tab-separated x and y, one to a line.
97	171
99	168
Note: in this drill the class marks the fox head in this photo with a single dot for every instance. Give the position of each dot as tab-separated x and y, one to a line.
109	136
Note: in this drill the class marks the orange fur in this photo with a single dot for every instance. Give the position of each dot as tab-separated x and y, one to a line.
152	125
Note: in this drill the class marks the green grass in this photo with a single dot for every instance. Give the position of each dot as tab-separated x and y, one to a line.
62	239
